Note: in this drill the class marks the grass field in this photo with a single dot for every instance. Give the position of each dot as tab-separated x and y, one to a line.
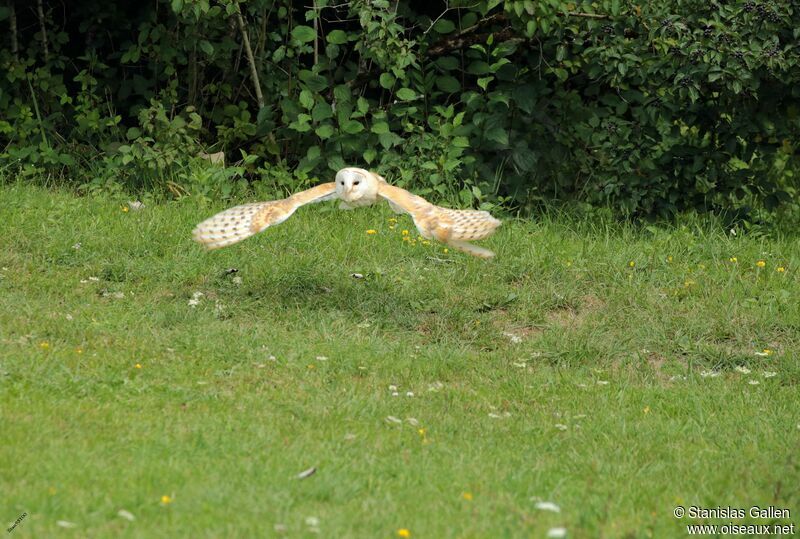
616	373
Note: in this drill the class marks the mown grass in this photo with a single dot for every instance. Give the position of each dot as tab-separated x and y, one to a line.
573	368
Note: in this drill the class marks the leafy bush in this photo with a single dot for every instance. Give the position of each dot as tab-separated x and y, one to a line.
651	108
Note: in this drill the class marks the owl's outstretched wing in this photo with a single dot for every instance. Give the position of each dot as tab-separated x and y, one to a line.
241	222
453	227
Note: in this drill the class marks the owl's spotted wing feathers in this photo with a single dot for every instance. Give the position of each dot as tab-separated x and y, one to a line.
453	227
355	187
240	222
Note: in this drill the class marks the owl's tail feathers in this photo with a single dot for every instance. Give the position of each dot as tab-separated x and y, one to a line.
228	227
469	248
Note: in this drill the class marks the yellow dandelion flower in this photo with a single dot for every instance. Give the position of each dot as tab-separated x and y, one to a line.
392	219
445	250
403	532
761	263
425	242
372	231
422	432
467	496
405	238
768	351
124	209
44	345
166	500
780	269
646	410
632	264
311	367
79	350
404	232
138	365
669	258
733	259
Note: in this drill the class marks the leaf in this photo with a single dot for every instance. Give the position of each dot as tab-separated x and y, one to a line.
525	97
362	105
447	63
336	163
478	68
341	93
306	99
206	47
523	158
461	142
133	133
369	155
324	131
177	6
387	80
406	94
353	127
448	84
388	140
313	153
303	34
444	26
483	82
380	128
322	111
315	82
337	37
498	135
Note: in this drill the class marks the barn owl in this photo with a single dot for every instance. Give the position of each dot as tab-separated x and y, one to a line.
354	187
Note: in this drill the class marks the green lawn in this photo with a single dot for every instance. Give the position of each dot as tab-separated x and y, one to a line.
573	369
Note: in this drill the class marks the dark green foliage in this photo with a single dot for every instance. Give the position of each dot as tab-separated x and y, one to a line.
651	108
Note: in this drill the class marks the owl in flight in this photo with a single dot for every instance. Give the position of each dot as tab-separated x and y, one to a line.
354	187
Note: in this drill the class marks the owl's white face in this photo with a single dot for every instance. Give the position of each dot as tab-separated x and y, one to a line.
356	186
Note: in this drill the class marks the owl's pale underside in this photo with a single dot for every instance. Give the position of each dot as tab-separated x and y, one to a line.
354	187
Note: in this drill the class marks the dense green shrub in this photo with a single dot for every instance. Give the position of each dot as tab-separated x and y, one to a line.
652	107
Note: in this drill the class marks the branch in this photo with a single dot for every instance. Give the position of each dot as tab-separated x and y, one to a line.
461	40
588	15
40	11
13	23
469	36
251	59
316	35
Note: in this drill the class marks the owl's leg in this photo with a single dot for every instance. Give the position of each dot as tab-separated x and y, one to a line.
474	250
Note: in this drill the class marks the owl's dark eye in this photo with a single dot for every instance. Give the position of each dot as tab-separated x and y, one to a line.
341	182
356	182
